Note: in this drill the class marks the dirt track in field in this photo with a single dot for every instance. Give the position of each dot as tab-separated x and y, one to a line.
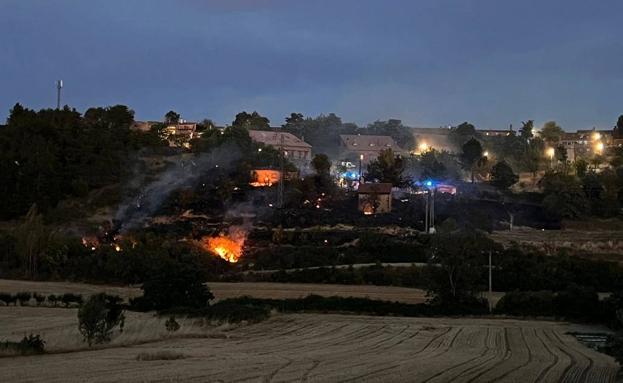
318	348
223	290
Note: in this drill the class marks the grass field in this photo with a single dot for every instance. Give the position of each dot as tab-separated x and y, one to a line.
309	348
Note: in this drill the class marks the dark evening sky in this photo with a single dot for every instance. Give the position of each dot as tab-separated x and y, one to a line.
429	63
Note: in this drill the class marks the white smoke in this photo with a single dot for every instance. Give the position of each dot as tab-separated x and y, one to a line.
184	172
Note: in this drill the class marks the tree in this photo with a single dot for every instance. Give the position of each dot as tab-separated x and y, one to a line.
251	121
455	274
321	164
431	167
471	155
387	167
526	131
581	167
461	133
502	175
551	132
295	119
171	117
561	153
98	317
564	195
32	239
403	135
618	129
174	285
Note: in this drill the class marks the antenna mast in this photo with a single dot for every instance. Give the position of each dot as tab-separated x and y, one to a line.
282	175
59	86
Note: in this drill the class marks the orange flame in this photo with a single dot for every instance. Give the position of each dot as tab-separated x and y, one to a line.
264	177
228	247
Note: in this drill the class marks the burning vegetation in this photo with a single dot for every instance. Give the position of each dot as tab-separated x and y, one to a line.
264	177
227	246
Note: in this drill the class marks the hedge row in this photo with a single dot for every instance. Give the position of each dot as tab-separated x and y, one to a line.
29	345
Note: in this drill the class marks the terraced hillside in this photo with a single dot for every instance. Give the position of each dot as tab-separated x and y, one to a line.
339	348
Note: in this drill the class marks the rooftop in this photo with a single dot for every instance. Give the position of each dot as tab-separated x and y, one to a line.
356	142
375	188
275	138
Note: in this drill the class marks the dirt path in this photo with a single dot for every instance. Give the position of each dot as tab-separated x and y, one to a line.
337	348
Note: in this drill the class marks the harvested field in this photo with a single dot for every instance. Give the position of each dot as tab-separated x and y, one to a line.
223	290
329	348
595	241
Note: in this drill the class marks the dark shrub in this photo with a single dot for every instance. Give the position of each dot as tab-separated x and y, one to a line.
98	317
29	345
23	298
526	303
39	298
69	298
6	298
236	313
174	285
578	302
53	299
171	324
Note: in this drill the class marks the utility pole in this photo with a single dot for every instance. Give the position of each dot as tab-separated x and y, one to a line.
490	285
282	175
432	210
360	159
59	86
426	214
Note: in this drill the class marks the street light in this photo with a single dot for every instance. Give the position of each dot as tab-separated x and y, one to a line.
550	152
360	159
423	147
599	147
486	153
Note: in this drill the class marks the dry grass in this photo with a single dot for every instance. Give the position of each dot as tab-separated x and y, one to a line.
59	328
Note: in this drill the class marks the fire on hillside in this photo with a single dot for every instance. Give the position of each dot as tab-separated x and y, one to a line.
227	246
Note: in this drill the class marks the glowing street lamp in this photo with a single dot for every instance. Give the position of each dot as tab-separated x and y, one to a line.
485	153
596	136
599	147
360	159
423	147
550	152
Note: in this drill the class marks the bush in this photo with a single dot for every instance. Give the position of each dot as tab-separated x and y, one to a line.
365	306
526	303
176	285
69	298
171	324
23	298
160	355
7	298
229	310
576	302
29	345
98	317
235	313
39	298
53	299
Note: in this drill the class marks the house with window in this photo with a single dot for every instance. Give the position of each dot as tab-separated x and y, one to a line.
355	147
295	149
375	198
